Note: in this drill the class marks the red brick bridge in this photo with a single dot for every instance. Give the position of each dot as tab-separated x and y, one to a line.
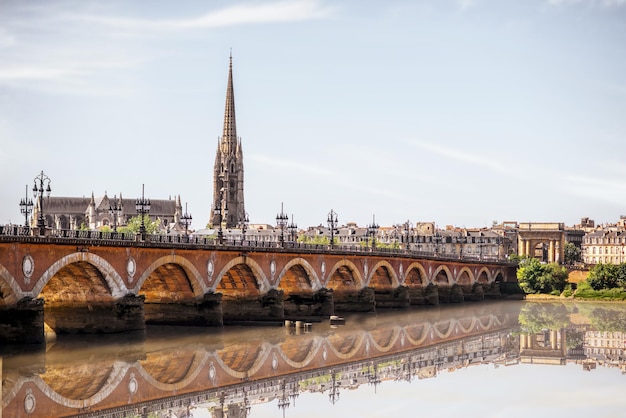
96	285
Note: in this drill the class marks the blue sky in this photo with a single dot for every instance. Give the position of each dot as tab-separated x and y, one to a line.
458	112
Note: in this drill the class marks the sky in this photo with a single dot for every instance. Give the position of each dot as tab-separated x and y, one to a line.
458	112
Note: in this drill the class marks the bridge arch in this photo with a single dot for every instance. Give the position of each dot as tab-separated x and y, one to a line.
252	362
383	342
191	369
249	274
173	266
442	276
443	329
484	276
344	276
10	293
116	286
304	356
465	277
299	274
417	334
345	348
498	276
415	275
114	379
382	276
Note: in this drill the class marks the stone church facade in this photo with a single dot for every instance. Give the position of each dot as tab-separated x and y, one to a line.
96	212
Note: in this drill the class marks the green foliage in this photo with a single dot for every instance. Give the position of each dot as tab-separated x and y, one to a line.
572	253
535	277
134	224
316	240
568	291
516	258
603	276
535	317
585	291
608	319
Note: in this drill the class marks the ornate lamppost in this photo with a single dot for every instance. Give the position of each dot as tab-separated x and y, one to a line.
186	220
143	207
408	229
333	396
26	207
114	210
41	181
373	379
371	230
281	222
437	241
283	401
220	213
293	230
244	226
332	224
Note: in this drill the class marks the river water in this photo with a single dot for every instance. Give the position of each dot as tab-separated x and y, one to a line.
490	359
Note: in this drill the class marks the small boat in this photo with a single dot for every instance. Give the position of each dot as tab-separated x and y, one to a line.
337	320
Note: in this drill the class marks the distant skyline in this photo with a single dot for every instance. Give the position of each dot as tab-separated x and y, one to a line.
456	112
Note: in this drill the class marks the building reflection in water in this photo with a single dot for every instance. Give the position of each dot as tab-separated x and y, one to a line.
228	372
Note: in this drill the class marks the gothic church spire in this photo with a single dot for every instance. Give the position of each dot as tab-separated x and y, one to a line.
228	201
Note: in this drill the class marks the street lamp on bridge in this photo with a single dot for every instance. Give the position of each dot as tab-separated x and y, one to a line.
220	213
293	230
41	181
408	229
114	210
243	223
143	207
372	229
26	207
186	220
281	222
332	224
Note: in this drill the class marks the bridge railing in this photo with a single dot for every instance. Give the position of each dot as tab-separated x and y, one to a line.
21	233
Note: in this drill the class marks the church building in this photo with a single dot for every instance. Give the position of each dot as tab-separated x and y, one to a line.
228	201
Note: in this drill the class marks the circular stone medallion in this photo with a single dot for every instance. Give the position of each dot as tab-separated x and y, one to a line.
30	403
28	266
131	267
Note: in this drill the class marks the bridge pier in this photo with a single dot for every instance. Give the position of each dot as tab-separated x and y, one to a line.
428	295
363	300
269	307
205	312
397	298
125	314
314	304
451	294
23	323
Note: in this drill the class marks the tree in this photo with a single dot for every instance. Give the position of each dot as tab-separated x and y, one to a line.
134	224
534	277
572	253
603	276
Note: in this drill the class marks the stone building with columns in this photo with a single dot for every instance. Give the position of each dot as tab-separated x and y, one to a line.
542	240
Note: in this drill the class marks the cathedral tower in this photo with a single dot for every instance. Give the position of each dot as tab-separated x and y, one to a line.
228	169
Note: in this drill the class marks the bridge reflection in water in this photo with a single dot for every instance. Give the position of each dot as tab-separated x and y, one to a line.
229	371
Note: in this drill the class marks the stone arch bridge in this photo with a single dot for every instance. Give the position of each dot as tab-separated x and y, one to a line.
98	285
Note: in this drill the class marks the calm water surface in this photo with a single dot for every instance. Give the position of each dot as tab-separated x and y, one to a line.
513	359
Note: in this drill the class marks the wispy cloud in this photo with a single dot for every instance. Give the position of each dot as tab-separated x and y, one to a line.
68	48
462	156
276	12
598	188
604	3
